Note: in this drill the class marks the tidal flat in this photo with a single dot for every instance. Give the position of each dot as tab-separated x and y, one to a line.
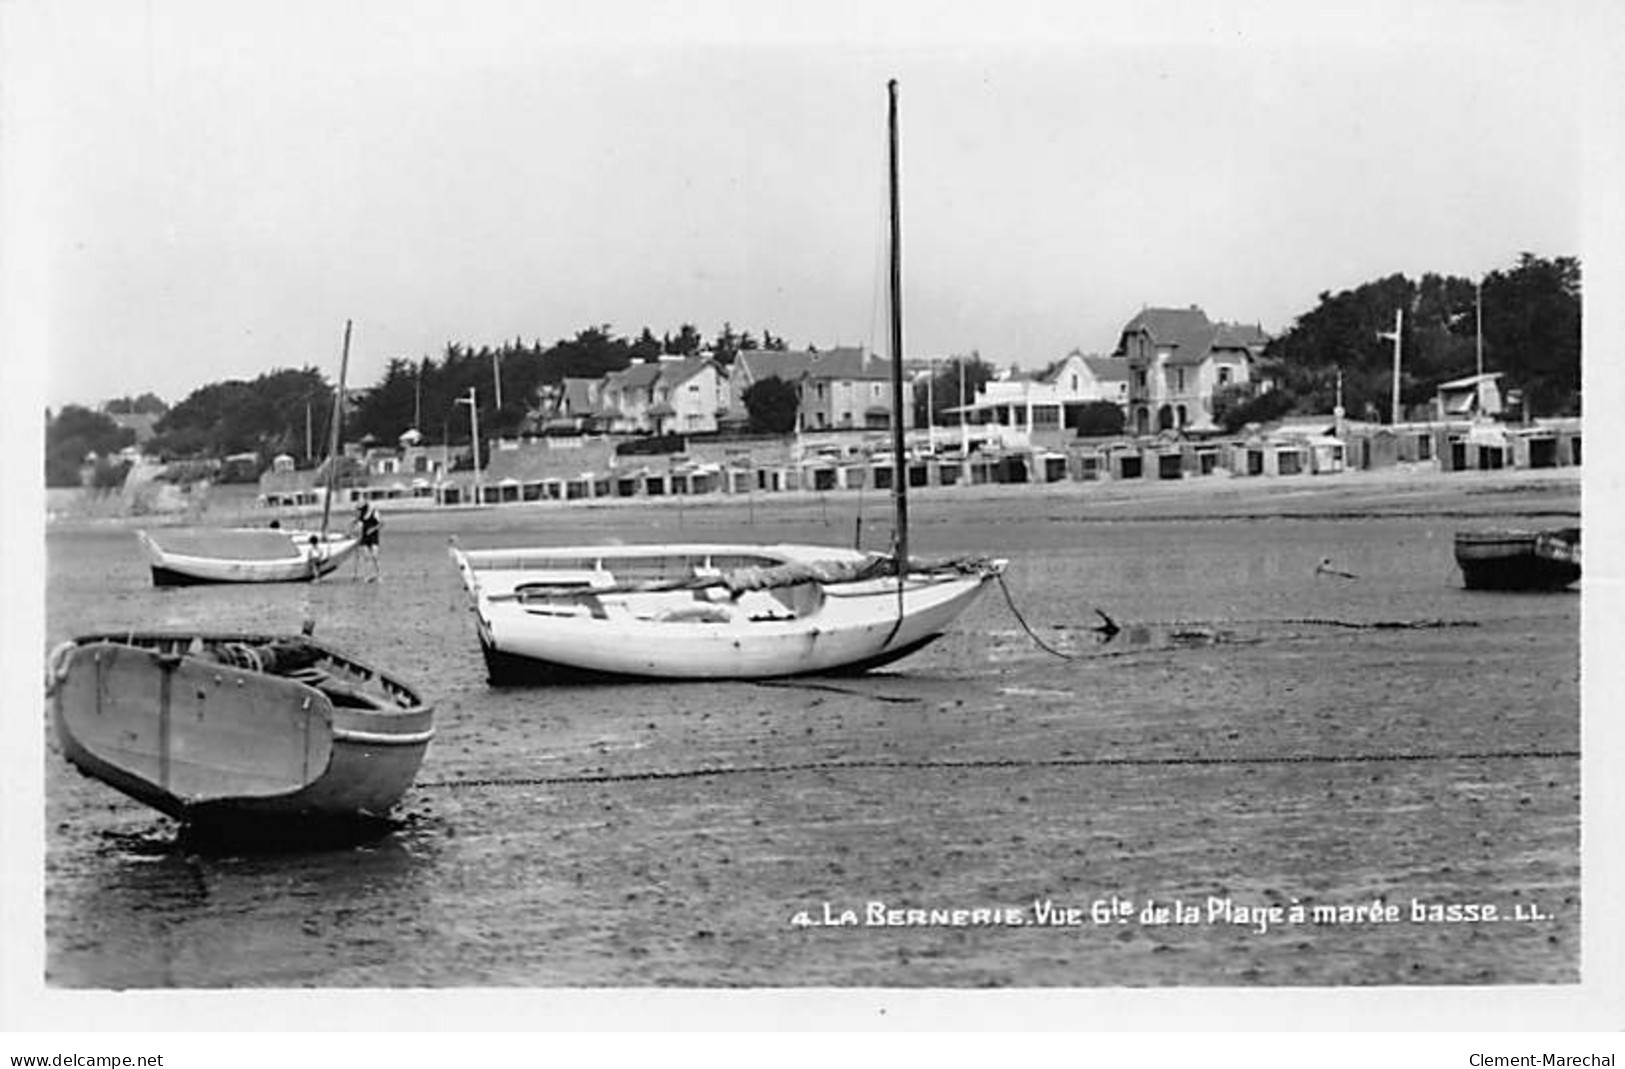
1270	776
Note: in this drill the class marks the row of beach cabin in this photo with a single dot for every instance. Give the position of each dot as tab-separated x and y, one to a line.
563	470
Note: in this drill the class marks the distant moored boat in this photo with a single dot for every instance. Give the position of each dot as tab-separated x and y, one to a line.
1519	560
243	555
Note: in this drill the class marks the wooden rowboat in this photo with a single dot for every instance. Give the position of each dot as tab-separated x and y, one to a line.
243	555
1519	560
234	731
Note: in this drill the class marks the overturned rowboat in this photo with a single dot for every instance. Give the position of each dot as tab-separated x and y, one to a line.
238	731
705	610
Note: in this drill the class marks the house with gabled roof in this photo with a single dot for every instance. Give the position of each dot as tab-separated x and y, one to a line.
1176	359
566	407
668	395
689	396
844	388
626	397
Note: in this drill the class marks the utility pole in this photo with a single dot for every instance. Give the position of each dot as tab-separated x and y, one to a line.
472	401
1337	410
496	376
1399	324
964	427
931	406
1479	313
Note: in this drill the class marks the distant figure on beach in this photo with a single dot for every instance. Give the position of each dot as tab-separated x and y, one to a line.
316	557
1325	568
370	524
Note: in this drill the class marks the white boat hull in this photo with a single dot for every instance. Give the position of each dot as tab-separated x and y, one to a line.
244	556
164	719
534	628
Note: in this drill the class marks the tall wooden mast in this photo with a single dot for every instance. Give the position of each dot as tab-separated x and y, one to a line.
899	451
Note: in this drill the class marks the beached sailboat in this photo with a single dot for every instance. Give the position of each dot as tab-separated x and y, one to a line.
721	611
1519	560
190	556
238	731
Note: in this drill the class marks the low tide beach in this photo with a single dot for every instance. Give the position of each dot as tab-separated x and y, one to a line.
1272	775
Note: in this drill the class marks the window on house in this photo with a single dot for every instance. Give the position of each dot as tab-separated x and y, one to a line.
1074	382
1179	380
1224	376
1139	379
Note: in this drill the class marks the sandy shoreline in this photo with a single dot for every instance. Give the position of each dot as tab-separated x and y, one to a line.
1390	491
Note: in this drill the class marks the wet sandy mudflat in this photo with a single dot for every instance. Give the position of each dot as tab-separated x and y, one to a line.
1257	736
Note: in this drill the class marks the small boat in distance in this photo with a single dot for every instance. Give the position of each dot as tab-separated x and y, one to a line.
258	555
1519	560
724	611
185	557
238	733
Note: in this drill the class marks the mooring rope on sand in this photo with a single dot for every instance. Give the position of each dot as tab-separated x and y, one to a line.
1040	643
1110	627
890	765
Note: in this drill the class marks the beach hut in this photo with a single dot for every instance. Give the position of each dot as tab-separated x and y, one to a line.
1370	447
1090	465
1487	446
1326	454
1051	467
1128	463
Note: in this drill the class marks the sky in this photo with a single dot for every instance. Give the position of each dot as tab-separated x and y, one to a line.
211	190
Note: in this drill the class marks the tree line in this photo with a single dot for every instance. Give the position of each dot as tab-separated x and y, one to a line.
290	411
1526	318
1530	333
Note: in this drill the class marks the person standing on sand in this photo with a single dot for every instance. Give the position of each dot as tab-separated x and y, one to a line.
317	555
368	520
